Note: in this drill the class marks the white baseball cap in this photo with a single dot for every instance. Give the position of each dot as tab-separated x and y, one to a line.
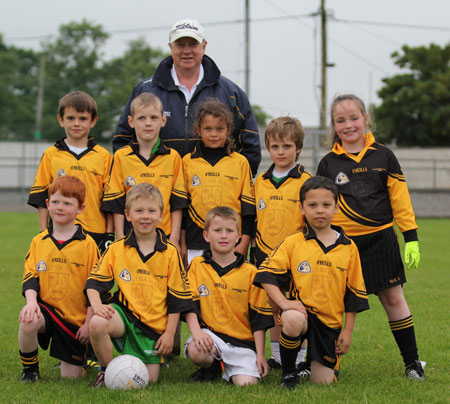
190	28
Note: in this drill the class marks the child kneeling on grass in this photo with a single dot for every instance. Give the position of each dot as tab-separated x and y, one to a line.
320	267
153	290
56	269
234	313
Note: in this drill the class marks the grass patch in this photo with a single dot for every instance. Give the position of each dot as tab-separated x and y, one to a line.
372	371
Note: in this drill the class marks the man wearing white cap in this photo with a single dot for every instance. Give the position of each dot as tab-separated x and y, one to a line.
183	81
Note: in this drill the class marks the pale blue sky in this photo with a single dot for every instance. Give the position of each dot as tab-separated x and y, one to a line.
285	54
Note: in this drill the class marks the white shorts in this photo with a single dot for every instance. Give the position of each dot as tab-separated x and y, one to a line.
236	360
192	254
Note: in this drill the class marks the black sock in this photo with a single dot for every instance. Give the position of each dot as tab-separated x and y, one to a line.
403	331
29	359
289	347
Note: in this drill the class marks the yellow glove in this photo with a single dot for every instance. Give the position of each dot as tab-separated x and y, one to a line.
412	254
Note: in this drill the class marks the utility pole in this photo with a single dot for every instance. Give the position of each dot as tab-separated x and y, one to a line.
324	63
247	47
40	98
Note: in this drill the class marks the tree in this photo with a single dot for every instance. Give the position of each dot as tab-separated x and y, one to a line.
260	115
121	74
415	108
73	62
18	88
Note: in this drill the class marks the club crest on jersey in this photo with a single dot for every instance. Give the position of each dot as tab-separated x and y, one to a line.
261	204
304	267
41	266
60	173
341	179
125	275
130	181
203	290
195	180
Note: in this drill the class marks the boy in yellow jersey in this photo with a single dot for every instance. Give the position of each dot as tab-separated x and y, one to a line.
147	160
234	313
153	290
277	202
320	267
79	155
56	269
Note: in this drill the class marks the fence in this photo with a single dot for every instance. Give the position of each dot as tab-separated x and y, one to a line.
427	172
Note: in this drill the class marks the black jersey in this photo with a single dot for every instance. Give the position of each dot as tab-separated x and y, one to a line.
372	190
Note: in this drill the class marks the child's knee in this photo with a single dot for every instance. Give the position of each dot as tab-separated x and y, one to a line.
69	371
98	325
321	374
243	380
294	322
31	327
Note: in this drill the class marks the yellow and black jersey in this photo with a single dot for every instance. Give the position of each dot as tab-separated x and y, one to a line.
149	287
163	169
372	190
229	304
92	167
212	179
327	280
58	272
277	209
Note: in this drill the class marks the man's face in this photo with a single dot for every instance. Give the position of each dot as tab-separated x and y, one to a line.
187	53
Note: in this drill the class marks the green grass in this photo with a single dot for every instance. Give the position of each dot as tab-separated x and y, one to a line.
372	371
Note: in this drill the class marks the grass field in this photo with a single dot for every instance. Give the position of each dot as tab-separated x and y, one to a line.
372	371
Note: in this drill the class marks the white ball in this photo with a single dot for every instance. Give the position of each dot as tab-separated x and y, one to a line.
126	372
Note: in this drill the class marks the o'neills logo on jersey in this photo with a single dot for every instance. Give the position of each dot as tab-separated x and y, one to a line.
125	275
41	266
203	290
60	173
261	204
341	179
130	181
304	267
195	180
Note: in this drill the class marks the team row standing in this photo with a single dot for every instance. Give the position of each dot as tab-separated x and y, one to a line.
212	153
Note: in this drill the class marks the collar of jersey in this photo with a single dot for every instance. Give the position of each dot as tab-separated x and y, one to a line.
207	255
338	149
61	145
212	156
309	234
295	172
160	244
78	235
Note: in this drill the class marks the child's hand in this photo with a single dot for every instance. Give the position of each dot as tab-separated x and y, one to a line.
294	305
29	311
164	344
82	334
263	366
203	341
104	310
343	342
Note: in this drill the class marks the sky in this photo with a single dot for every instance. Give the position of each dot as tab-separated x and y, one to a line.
284	40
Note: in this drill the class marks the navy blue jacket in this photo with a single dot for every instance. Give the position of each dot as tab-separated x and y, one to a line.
179	133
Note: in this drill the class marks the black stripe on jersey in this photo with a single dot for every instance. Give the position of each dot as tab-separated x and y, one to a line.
398	177
181	295
259	239
195	216
352	215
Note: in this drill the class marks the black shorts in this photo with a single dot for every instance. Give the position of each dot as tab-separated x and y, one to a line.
321	342
64	345
381	262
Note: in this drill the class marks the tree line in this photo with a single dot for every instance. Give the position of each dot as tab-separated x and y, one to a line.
415	107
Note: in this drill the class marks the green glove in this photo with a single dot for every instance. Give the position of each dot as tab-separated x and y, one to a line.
412	254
